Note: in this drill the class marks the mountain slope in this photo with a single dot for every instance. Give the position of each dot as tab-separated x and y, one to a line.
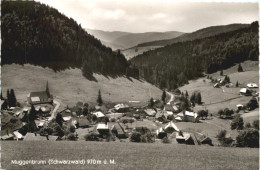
69	86
202	33
173	65
37	34
123	40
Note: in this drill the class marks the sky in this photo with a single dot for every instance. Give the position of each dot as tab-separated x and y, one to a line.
154	15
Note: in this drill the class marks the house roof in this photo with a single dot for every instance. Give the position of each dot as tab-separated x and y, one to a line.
18	135
66	118
191	114
116	126
4	137
40	94
178	118
171	125
150	112
254	85
160	130
102	126
98	114
185	136
243	90
83	122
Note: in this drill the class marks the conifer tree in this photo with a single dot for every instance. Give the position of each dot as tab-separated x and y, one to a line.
164	96
12	99
240	69
151	102
99	99
237	84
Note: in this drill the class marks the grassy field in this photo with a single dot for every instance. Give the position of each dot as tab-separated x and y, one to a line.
220	98
69	86
129	155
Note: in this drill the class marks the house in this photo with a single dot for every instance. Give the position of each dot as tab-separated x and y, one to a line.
66	118
161	133
121	108
99	114
117	129
171	127
7	136
40	97
39	124
178	118
150	112
18	135
184	138
102	129
245	91
252	85
82	122
240	106
216	85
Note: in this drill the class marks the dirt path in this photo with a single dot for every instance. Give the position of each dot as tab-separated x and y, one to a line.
53	114
172	97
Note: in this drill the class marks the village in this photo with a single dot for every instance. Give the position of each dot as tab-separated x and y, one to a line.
159	121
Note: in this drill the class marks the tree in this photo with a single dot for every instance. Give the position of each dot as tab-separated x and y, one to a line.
248	125
99	99
221	72
237	84
220	113
135	137
239	69
252	104
256	124
151	102
47	89
32	115
2	98
237	123
12	99
85	109
186	94
59	119
198	98
164	96
248	138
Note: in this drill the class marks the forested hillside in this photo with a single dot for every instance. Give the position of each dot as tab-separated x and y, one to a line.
38	34
201	33
173	65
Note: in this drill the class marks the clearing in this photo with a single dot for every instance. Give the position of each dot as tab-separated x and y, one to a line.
69	86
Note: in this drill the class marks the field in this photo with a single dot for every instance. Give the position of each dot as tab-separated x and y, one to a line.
69	86
220	98
134	51
129	155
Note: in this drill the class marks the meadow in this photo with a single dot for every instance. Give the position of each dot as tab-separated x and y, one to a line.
129	155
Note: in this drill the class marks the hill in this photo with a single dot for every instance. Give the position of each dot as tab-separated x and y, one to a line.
128	155
70	86
201	33
124	40
107	37
173	65
38	34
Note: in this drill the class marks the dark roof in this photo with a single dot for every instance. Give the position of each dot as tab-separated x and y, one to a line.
83	122
116	126
40	94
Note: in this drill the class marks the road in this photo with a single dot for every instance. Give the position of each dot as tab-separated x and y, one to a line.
53	113
172	97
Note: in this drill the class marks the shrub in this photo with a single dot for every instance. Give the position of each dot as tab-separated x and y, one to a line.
166	140
256	124
125	121
143	139
223	140
220	112
248	125
131	121
113	120
91	137
252	104
72	137
221	134
248	138
135	137
237	123
72	129
177	92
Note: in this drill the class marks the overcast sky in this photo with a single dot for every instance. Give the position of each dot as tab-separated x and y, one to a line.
153	15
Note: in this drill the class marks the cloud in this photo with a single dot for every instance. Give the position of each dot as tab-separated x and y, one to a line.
141	16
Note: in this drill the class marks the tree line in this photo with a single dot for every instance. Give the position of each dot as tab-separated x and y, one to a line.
38	34
173	65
